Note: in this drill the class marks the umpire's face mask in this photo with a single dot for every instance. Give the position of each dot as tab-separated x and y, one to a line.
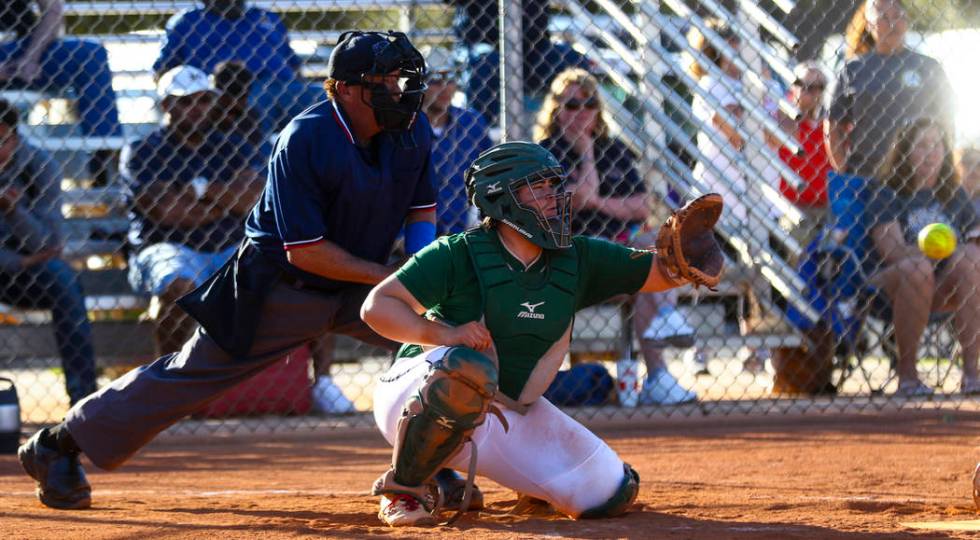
395	84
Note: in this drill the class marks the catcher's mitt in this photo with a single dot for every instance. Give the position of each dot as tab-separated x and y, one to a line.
686	247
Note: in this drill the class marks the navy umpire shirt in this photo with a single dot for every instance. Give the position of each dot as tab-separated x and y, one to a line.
321	186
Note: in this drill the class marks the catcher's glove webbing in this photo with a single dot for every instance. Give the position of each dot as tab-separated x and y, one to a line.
687	251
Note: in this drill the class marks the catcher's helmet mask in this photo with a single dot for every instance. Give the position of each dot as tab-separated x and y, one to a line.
560	199
391	53
494	190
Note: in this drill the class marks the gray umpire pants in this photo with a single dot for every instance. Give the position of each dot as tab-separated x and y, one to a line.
114	423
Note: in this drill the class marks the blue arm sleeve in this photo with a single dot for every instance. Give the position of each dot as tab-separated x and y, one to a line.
418	234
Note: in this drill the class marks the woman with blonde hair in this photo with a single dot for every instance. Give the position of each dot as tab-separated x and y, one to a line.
611	201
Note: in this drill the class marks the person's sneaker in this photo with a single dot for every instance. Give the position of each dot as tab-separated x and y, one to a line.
61	481
970	387
696	361
328	398
913	388
661	388
401	510
452	485
669	329
976	486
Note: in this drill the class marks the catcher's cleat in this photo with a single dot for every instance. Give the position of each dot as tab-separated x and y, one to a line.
61	481
401	510
452	486
976	487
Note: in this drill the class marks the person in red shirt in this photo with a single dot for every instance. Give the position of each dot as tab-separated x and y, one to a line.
810	198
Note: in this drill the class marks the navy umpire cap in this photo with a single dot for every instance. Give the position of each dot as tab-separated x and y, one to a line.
357	53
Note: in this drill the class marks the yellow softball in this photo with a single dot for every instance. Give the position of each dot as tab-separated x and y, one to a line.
937	241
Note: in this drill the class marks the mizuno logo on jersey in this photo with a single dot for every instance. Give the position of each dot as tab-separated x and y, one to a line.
530	314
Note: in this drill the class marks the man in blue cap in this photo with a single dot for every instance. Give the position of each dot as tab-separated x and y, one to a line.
344	178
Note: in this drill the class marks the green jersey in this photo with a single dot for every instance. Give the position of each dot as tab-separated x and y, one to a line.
445	280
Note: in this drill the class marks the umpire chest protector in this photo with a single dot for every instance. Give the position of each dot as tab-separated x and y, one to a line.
529	314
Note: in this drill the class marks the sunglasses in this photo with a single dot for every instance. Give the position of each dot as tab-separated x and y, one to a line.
576	104
815	87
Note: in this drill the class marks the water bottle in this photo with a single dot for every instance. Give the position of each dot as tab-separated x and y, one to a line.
9	417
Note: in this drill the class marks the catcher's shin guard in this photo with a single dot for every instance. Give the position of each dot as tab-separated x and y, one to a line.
451	403
620	502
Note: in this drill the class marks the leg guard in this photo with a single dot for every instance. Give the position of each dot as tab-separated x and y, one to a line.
451	403
620	502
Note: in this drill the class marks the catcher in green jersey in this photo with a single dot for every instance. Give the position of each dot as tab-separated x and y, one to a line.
486	316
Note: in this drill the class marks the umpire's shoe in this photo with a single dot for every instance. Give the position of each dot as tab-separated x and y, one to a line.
60	478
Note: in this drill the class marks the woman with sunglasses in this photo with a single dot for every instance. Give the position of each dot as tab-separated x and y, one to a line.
611	201
813	165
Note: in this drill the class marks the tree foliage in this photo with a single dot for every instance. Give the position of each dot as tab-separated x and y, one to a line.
935	15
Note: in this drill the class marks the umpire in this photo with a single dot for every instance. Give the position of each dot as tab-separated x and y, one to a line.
344	178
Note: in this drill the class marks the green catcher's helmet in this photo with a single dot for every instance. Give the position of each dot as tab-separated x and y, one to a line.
496	176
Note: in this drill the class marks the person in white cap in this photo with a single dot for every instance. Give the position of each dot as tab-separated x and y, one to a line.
191	188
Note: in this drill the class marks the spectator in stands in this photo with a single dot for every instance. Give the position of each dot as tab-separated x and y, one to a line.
882	85
719	140
722	167
460	136
192	187
32	273
610	201
477	26
226	30
37	59
919	186
968	166
806	93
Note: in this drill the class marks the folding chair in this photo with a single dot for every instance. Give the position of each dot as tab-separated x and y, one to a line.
858	313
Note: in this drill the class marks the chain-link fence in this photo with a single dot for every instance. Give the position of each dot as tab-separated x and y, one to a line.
134	144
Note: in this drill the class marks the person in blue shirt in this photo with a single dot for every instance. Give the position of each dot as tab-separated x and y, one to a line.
36	58
344	178
191	187
460	135
228	30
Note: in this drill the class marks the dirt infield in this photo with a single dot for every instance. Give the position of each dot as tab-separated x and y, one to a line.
857	477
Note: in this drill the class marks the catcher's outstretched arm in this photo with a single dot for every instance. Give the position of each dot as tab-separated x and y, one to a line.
656	280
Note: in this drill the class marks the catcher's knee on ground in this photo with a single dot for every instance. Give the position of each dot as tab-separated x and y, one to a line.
451	403
620	501
575	493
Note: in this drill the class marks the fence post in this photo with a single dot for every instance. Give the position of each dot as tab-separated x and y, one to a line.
513	120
